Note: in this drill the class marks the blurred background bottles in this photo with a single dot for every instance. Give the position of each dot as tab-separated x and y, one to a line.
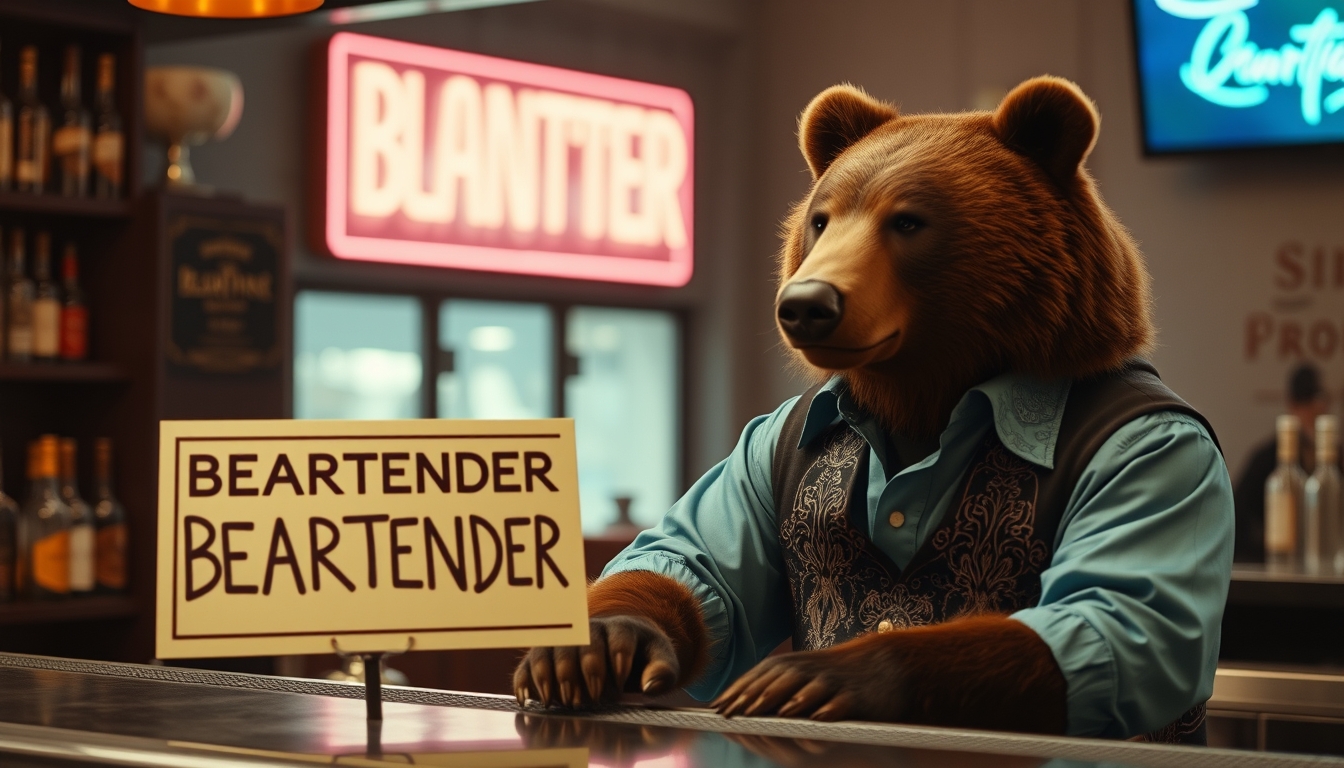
19	317
109	146
9	545
81	523
6	139
1324	541
109	523
46	525
42	320
1284	499
71	142
32	134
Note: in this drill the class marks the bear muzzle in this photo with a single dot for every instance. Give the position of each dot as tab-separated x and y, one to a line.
809	311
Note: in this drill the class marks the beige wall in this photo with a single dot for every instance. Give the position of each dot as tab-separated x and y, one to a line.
1210	225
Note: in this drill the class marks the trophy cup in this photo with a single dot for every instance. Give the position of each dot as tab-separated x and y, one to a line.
188	106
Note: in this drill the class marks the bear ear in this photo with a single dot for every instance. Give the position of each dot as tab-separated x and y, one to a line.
836	118
1051	121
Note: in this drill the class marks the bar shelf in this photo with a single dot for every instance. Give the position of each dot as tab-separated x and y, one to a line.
56	373
55	205
73	609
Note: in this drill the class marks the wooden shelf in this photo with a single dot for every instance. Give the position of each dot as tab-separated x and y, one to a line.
73	609
87	373
55	205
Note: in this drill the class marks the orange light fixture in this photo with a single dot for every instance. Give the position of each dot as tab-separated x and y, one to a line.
228	9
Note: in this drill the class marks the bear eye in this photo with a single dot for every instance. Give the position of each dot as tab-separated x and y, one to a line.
905	223
818	222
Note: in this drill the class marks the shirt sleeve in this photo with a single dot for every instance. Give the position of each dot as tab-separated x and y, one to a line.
1132	602
721	540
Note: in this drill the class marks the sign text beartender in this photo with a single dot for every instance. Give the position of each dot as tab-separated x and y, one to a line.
276	537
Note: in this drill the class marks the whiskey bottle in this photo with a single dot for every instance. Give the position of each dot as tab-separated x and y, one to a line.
70	143
109	522
74	313
108	142
6	141
46	523
81	523
20	330
1325	511
46	304
1284	496
32	129
9	546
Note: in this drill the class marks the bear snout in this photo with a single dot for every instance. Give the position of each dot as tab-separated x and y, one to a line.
809	310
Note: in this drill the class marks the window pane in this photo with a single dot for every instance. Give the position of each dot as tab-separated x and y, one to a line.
624	404
356	356
502	366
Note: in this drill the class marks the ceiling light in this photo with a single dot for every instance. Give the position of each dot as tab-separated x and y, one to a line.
228	9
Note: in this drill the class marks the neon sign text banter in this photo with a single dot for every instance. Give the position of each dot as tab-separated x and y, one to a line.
444	158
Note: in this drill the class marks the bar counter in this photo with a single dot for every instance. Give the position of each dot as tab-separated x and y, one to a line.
62	712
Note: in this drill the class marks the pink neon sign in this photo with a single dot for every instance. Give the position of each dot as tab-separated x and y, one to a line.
449	159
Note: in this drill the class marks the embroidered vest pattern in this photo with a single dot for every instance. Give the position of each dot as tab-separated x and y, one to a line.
987	557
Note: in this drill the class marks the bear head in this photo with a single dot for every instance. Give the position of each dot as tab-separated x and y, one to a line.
936	251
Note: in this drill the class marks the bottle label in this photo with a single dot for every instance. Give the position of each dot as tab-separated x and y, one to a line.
26	172
107	153
70	140
20	341
1281	523
46	327
110	558
81	558
74	333
51	562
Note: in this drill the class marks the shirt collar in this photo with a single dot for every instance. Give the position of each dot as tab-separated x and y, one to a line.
1026	411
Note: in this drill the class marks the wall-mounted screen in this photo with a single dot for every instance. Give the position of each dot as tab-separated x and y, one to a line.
449	159
1230	74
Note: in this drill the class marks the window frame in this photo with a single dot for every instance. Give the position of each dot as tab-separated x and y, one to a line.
433	357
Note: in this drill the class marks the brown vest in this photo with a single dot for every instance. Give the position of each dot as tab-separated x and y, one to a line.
988	551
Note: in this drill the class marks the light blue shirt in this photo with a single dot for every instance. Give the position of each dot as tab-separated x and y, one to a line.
1131	603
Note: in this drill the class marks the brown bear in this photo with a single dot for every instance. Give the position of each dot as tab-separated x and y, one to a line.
988	512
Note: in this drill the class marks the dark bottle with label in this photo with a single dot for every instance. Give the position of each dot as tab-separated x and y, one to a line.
46	525
81	522
9	546
109	520
109	144
46	303
19	303
32	129
70	143
6	141
74	313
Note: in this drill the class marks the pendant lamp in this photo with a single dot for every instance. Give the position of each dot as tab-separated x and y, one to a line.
228	9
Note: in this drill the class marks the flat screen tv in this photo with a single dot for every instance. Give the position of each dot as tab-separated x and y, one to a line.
1237	74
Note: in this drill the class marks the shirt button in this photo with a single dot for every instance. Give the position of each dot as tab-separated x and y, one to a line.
896	519
884	626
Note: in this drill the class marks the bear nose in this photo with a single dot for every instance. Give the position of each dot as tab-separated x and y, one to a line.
809	310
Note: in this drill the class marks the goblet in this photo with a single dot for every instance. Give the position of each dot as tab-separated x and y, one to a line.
186	107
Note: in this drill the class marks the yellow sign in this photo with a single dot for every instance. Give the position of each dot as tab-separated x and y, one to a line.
278	537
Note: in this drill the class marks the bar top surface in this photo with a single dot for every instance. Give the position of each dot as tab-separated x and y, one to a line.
70	712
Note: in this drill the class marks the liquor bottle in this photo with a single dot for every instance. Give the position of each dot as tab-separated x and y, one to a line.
1284	495
32	129
9	546
46	523
20	331
4	299
74	313
108	141
70	143
109	521
1325	510
6	142
46	303
81	523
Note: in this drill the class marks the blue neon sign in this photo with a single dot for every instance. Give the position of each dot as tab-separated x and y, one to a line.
1222	74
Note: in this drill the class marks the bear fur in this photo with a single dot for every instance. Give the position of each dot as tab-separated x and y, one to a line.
1003	212
963	246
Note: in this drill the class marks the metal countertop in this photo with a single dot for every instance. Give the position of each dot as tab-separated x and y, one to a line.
62	712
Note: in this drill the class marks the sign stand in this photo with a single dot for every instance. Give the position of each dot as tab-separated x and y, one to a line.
373	685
